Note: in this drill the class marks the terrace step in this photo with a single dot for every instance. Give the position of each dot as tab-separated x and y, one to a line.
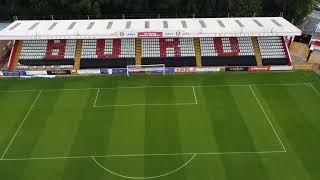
138	52
77	58
257	51
196	42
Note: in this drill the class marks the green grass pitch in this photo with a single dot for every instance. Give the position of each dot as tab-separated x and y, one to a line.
222	126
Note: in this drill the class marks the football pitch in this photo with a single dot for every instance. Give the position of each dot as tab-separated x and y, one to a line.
221	126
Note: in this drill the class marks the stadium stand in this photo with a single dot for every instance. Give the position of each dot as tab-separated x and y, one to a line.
272	51
107	53
234	51
173	52
84	44
47	52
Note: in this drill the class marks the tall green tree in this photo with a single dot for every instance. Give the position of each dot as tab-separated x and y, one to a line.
292	9
247	7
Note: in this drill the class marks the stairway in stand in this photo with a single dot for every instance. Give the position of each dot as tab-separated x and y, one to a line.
15	56
77	57
196	42
257	52
138	52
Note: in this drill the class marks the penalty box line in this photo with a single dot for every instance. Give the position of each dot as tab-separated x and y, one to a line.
21	124
146	104
98	90
95	100
144	155
269	121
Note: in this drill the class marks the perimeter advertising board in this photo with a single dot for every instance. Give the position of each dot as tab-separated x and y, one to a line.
208	69
263	68
105	71
281	68
119	71
14	73
32	73
89	71
196	69
185	70
59	72
236	68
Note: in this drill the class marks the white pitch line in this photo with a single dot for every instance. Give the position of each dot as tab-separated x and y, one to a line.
133	105
195	95
314	88
143	155
95	100
285	84
274	130
148	177
75	89
47	90
16	91
191	153
21	124
186	86
45	158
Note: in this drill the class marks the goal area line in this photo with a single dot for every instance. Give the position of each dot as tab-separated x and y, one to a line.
194	100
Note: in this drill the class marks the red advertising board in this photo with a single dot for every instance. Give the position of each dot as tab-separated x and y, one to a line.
150	34
263	68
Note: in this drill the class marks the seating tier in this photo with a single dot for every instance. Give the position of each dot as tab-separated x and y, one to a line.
233	51
173	52
47	52
107	53
272	51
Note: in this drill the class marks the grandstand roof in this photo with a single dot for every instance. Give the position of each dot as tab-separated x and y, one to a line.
132	28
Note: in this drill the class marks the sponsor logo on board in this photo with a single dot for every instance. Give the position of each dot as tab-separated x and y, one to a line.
236	68
59	72
185	69
150	34
263	68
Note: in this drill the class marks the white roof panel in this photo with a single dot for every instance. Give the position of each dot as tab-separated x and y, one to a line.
228	27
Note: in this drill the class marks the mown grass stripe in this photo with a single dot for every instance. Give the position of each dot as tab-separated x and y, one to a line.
22	122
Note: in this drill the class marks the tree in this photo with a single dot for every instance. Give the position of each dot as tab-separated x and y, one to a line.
247	7
293	9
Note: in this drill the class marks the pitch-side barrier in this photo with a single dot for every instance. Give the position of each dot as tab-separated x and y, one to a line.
123	71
